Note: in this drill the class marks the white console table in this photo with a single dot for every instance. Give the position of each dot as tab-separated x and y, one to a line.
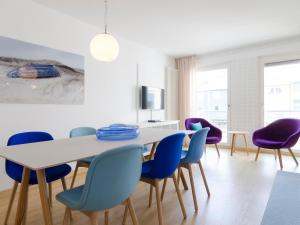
168	124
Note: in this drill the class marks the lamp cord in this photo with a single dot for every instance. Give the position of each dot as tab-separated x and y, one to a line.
105	16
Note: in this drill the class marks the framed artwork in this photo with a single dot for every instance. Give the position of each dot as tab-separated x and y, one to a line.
33	74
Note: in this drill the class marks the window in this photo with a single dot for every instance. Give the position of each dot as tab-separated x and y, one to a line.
282	91
209	99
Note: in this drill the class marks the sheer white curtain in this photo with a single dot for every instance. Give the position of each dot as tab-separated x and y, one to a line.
187	68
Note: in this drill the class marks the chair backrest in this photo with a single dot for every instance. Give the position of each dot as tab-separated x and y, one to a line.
111	178
167	156
82	131
213	132
24	138
281	129
196	146
189	121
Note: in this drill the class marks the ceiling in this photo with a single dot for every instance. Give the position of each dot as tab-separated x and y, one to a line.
186	27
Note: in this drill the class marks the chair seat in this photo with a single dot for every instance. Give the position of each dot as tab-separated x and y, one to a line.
212	140
71	198
264	143
87	160
146	169
52	174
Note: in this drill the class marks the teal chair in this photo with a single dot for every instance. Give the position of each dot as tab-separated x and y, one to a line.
193	156
111	178
79	132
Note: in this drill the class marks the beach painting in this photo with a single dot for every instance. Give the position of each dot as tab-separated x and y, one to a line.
33	74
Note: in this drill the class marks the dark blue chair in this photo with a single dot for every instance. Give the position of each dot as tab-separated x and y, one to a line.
162	167
111	178
15	171
193	156
79	132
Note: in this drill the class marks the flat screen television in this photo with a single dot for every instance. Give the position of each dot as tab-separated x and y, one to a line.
152	98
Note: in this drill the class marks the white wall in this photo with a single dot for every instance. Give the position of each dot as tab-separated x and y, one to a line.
110	91
246	78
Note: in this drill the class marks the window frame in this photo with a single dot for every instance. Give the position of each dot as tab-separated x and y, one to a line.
262	62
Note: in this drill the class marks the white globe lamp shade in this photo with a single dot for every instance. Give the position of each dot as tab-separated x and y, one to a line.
104	47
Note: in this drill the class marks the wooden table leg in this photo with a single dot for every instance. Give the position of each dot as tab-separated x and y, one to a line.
44	198
232	144
22	203
246	144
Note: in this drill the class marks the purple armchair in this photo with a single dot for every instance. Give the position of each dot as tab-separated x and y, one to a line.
283	133
214	135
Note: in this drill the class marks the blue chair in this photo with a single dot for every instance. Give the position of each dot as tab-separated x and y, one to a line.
111	178
162	167
193	156
79	132
15	171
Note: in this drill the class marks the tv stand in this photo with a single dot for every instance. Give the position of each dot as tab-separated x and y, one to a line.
167	124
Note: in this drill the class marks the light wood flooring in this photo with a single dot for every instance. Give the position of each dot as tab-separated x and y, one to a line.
239	188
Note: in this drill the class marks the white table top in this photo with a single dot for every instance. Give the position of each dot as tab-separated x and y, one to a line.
42	155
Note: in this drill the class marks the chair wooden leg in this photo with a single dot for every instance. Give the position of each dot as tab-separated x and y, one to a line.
180	176
232	144
294	157
94	217
179	196
125	215
150	196
164	189
246	144
217	150
11	201
257	153
280	159
204	178
186	187
158	202
63	183
193	186
106	217
132	212
50	194
67	219
74	175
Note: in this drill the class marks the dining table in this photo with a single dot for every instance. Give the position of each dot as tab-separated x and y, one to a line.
42	155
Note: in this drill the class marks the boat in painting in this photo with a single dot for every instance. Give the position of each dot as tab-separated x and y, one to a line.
34	71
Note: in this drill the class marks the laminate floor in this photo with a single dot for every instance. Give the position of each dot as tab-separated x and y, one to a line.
239	188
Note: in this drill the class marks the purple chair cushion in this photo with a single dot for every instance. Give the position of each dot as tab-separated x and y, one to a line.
214	135
263	143
212	140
